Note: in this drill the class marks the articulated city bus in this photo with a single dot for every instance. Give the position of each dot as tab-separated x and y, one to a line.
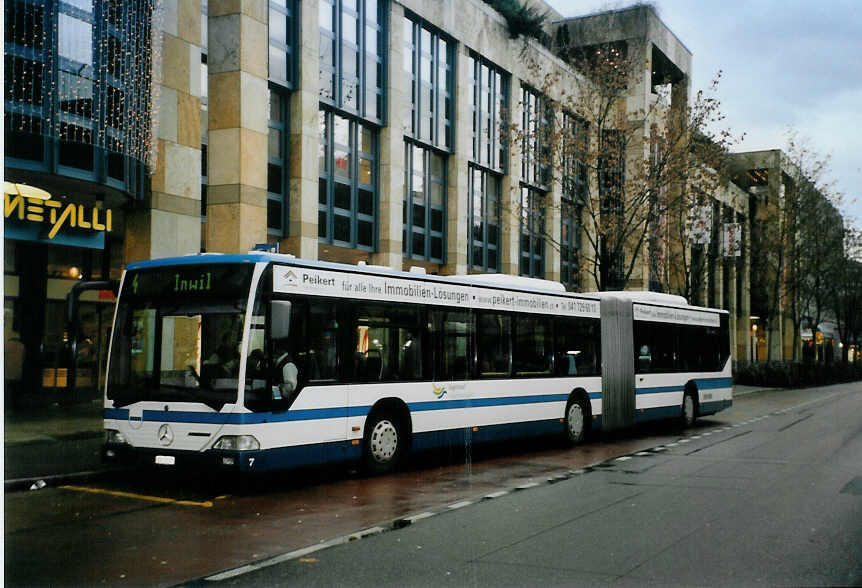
262	361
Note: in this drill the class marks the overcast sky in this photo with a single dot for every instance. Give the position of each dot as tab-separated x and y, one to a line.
785	64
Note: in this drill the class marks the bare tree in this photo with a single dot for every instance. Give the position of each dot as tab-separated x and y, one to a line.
846	291
633	176
811	239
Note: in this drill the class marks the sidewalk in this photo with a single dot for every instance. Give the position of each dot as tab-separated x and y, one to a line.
54	443
64	443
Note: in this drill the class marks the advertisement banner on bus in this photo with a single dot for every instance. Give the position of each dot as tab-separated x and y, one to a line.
314	282
682	316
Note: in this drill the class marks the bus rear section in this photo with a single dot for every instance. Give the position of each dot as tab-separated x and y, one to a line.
680	365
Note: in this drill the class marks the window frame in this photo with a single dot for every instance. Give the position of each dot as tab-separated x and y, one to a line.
411	228
575	190
288	10
531	224
439	88
489	92
327	210
282	197
484	243
336	70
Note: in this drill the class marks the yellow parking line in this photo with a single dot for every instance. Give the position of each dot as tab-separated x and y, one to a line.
161	499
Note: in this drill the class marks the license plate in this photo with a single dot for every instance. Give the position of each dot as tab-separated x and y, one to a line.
166	460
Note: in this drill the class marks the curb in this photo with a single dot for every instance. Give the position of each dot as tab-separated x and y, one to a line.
21	484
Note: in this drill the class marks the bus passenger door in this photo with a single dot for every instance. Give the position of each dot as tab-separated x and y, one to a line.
312	347
618	374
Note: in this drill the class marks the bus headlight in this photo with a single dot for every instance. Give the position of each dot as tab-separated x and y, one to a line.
237	443
114	437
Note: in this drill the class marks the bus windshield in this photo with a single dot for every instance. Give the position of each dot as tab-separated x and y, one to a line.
178	335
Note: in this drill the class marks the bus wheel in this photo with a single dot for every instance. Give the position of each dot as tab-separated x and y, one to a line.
384	443
689	409
576	421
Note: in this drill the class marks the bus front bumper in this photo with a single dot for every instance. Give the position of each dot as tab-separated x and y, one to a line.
211	460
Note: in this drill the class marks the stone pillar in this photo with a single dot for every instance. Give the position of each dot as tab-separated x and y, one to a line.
744	326
510	249
238	124
730	268
172	226
304	132
458	223
391	182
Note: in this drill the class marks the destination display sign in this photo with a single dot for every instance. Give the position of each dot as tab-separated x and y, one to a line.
681	316
314	282
188	282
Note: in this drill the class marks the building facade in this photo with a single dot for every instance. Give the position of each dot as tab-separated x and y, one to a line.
77	124
343	130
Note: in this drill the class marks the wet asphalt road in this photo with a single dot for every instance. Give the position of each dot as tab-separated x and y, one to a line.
733	501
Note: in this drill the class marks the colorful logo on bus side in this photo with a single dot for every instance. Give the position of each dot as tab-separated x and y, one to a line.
439	391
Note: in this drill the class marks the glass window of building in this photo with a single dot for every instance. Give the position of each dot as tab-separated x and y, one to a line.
537	125
574	184
488	90
276	177
428	60
77	102
282	42
424	204
352	49
536	128
488	105
348	182
532	230
484	212
283	37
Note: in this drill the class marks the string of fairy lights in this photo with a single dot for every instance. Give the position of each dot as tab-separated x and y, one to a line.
82	71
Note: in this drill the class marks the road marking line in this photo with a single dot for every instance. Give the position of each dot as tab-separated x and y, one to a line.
272	561
420	516
493	495
642	453
132	495
526	486
366	533
461	504
624	458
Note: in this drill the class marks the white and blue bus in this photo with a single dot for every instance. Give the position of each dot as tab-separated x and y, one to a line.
383	363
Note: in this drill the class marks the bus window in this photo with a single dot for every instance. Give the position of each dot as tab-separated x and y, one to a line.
450	340
534	354
387	342
310	349
493	342
577	346
656	347
319	358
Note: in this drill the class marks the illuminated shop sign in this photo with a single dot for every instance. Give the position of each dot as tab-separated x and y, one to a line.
34	205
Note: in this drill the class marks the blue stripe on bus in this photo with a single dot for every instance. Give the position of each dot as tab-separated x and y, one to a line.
702	384
479	402
249	418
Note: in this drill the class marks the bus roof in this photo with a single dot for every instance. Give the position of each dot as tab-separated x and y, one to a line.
499	281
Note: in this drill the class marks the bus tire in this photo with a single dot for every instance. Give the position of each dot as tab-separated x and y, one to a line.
689	407
384	443
577	420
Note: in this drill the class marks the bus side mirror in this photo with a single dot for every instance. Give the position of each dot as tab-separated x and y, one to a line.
280	324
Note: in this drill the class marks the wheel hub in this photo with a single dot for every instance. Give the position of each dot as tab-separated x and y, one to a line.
575	421
384	441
